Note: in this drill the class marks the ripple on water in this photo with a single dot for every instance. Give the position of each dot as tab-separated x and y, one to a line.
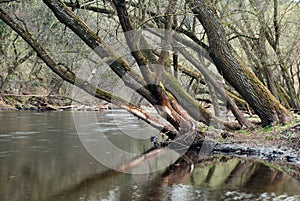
17	135
36	148
5	135
24	132
4	154
235	195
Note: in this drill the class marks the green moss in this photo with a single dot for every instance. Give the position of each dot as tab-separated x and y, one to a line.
210	166
254	118
268	129
9	100
268	137
245	132
203	129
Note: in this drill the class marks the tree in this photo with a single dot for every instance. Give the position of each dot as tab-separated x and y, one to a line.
265	105
266	31
153	78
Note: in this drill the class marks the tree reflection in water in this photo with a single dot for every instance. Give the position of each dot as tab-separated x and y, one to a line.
211	178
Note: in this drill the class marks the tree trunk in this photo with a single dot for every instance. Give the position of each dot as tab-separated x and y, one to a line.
165	104
260	99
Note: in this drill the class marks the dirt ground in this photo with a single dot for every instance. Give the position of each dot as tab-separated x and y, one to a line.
281	136
278	144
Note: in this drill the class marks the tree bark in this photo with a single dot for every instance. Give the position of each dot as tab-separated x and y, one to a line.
165	104
260	99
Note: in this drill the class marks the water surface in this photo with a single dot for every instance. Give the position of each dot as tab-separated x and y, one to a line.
42	158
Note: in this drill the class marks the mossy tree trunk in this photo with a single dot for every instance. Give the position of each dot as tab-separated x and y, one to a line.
260	99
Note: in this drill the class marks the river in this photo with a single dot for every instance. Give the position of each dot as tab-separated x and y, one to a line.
42	157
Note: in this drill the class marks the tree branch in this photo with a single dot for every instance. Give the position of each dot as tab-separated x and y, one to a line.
242	35
132	38
91	8
166	40
86	86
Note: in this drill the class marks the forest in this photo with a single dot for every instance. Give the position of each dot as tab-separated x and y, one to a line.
193	61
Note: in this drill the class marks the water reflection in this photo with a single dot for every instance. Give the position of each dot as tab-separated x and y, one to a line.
217	178
42	158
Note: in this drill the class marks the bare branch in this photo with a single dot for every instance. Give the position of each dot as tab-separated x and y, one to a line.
91	8
242	35
131	36
166	41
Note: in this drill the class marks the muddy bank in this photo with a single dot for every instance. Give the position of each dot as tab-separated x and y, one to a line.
279	143
269	154
282	158
272	153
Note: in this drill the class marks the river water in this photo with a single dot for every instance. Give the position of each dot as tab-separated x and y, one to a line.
42	157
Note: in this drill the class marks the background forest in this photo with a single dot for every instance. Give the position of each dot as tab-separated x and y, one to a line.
262	36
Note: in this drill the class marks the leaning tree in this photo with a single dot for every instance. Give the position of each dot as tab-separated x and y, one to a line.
154	74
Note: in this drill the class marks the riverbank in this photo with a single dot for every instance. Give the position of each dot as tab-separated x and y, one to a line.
47	103
278	143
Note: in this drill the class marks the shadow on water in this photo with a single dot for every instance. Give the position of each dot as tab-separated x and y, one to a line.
42	158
